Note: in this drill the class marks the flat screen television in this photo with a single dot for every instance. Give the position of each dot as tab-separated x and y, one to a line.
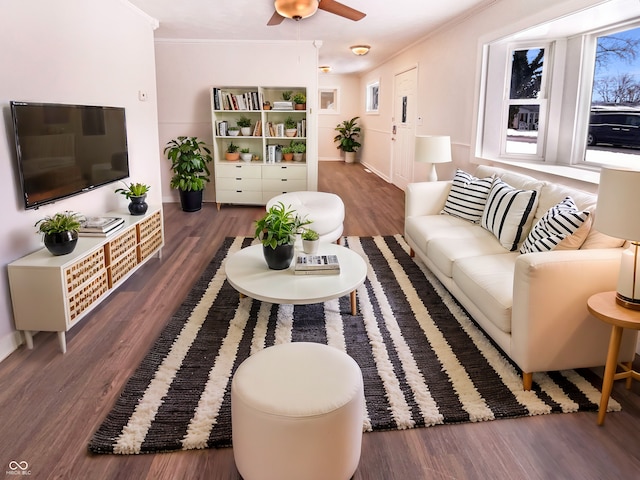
64	150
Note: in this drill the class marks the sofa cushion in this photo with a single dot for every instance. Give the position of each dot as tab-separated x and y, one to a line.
508	213
468	196
487	280
423	229
577	238
445	251
560	221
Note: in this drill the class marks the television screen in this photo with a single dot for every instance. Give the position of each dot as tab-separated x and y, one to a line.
64	150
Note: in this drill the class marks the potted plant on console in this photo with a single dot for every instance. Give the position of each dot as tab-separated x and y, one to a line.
189	158
348	132
60	232
277	231
136	193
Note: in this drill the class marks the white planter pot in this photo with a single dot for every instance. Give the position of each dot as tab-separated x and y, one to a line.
297	157
233	133
291	132
246	157
310	247
246	131
349	157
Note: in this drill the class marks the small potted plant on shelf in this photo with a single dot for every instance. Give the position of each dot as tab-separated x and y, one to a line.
277	231
290	127
232	153
348	132
189	158
310	241
245	125
245	155
298	149
233	131
266	105
287	153
60	232
286	95
300	101
136	193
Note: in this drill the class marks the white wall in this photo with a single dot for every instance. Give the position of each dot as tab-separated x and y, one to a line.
348	107
448	83
187	70
78	52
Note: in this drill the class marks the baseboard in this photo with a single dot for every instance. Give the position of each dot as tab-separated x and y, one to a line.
9	344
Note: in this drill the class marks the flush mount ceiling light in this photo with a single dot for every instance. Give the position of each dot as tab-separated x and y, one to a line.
296	9
325	68
360	49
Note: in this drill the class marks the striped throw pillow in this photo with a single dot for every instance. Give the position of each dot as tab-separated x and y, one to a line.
509	213
557	223
468	196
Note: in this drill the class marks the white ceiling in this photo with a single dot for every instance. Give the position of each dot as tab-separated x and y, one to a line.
390	25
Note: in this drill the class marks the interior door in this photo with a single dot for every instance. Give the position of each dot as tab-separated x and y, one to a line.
404	128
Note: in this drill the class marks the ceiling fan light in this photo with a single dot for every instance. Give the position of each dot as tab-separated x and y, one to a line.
360	49
296	9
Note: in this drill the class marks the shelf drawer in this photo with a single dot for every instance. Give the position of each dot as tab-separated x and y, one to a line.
87	295
240	197
122	266
283	185
149	226
120	245
298	172
238	184
84	269
239	170
150	245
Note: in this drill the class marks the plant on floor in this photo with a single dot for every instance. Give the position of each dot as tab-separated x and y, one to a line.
279	226
189	158
348	132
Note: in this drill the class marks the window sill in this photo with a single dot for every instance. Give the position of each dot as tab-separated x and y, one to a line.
580	174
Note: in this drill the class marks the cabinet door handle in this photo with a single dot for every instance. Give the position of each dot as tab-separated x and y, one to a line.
238	178
283	179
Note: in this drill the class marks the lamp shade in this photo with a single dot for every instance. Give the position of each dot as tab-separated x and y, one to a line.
433	149
618	208
617	214
296	9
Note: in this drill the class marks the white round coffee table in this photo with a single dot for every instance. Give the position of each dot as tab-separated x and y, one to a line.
248	273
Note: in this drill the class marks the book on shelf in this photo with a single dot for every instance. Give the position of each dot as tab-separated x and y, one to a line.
317	264
108	233
100	224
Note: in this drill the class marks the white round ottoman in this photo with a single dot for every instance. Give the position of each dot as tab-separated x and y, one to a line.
297	413
325	210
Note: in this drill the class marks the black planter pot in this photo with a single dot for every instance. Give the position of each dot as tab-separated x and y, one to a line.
138	206
278	258
61	243
191	200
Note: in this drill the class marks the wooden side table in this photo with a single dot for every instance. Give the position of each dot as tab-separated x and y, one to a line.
603	306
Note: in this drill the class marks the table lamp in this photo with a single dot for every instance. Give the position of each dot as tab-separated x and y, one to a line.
433	149
617	215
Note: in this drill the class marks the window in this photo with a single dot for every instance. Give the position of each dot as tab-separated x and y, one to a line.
373	94
329	100
613	135
548	90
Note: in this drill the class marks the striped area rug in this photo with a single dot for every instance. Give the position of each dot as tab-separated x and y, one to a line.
424	362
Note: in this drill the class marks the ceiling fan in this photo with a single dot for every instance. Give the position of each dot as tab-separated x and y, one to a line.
299	9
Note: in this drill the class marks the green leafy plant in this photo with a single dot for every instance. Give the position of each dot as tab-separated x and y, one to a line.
133	190
243	122
60	222
299	98
310	235
189	158
244	150
233	128
298	147
349	131
286	150
279	226
290	123
232	148
286	95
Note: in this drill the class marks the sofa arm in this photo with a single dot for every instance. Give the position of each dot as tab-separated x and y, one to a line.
425	198
551	328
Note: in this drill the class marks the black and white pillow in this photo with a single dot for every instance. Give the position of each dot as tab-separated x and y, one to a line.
508	213
557	223
468	196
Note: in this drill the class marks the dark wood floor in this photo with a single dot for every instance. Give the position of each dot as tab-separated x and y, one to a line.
50	404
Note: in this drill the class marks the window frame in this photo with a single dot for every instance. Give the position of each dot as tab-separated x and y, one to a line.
371	109
336	101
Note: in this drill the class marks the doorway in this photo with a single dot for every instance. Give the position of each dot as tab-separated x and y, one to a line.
404	126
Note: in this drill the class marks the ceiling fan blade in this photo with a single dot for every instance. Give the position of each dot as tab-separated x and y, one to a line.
276	19
340	9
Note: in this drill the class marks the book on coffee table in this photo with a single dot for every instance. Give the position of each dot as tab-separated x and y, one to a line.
317	265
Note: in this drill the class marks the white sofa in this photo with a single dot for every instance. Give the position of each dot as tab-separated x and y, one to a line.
533	305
